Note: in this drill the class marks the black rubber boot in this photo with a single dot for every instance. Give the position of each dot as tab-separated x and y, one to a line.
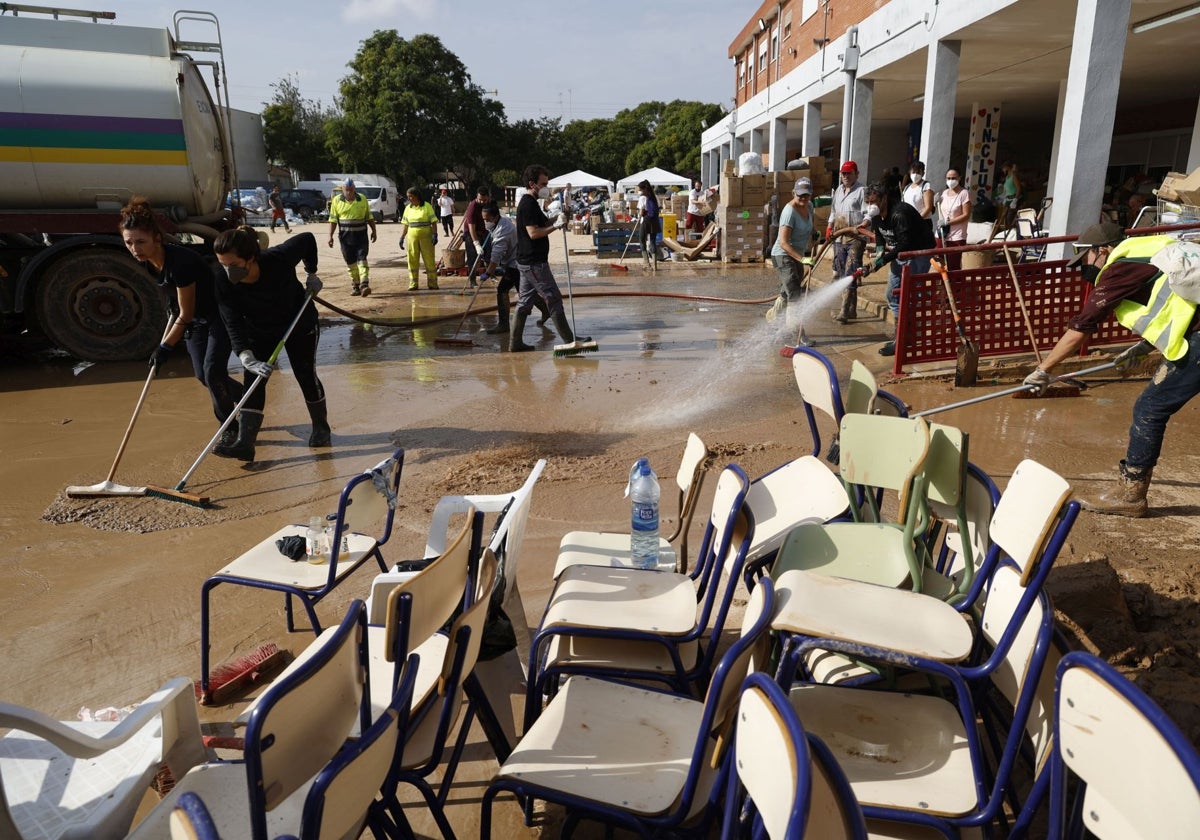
229	436
515	344
501	317
540	306
249	422
564	328
320	424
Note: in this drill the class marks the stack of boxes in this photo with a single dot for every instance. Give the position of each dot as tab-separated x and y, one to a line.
746	228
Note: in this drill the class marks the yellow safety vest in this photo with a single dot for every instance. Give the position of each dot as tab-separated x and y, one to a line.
1163	320
350	215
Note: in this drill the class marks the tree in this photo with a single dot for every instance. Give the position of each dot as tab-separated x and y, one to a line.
674	143
294	130
410	110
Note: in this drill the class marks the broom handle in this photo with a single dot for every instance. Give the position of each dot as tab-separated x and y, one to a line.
246	396
571	294
1018	389
137	409
624	250
1012	272
470	275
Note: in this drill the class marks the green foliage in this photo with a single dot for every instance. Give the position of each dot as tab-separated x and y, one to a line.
675	141
294	130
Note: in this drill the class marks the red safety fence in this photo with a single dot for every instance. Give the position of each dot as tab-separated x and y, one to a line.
991	313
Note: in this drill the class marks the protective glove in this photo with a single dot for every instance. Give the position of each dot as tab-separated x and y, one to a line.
560	223
858	276
435	237
312	283
865	270
401	243
807	262
483	276
478	245
1038	381
252	364
1126	360
829	233
160	355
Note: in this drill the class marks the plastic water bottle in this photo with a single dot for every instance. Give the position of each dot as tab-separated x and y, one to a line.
644	493
314	540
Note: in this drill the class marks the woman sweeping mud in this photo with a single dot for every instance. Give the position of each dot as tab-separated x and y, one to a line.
195	319
258	302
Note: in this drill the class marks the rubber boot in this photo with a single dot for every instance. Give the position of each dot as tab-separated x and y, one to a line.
365	273
355	280
564	328
229	436
515	344
544	313
249	422
1128	498
501	317
320	424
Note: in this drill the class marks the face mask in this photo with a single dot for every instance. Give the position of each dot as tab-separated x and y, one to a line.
236	273
544	192
951	183
872	211
1090	272
489	225
916	177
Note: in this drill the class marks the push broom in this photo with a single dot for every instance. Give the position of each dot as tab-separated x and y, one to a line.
619	265
577	346
453	340
107	487
1022	391
177	494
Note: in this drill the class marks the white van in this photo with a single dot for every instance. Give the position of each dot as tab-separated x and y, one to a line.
381	192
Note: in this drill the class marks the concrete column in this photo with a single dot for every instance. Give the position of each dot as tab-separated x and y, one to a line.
1090	107
860	126
724	156
810	144
778	140
1054	148
937	112
756	140
738	146
1193	160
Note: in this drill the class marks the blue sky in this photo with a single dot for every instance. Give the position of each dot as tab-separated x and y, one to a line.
578	59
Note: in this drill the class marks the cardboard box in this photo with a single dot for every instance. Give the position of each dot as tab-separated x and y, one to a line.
729	167
1184	189
731	190
754	190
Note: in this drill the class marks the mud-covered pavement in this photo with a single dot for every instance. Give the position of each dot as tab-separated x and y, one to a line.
101	602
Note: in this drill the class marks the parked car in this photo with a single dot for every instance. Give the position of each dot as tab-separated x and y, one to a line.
307	204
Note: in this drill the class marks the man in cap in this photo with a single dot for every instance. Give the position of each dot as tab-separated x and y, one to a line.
350	215
789	253
901	228
1139	295
847	211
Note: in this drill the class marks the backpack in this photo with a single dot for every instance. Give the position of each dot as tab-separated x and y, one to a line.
1180	261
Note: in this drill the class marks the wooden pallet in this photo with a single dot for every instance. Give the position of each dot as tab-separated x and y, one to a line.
756	258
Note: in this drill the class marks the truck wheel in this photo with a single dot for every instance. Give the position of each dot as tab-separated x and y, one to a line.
99	305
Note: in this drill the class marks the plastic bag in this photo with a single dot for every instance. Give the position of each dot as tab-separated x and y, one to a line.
750	163
1180	261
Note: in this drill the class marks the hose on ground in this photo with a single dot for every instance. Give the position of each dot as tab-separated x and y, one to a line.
415	323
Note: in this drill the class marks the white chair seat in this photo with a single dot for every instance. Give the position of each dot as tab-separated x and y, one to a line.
897	750
634	599
263	563
223	787
640	745
49	791
883	830
379	671
850	611
597	654
604	548
866	551
804	490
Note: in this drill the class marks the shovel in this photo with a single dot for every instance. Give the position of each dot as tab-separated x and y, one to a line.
966	366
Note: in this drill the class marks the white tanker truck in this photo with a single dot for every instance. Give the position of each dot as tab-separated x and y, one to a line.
92	114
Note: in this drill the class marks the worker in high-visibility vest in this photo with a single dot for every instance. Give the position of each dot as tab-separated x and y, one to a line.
350	215
1131	288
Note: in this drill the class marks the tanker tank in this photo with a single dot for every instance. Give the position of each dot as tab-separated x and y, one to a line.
92	115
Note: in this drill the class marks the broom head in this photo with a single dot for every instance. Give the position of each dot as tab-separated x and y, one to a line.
230	679
104	488
584	345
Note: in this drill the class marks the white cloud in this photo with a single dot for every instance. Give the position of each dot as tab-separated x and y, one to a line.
367	11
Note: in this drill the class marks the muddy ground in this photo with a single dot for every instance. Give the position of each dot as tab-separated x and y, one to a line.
101	601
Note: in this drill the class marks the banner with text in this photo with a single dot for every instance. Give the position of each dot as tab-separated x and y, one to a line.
981	148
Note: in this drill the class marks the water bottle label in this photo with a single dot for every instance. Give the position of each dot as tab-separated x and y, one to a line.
645	517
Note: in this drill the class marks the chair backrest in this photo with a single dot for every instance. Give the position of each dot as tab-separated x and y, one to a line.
726	540
819	389
432	725
343	793
689	478
1141	774
883	452
303	719
980	499
860	390
431	596
1027	512
367	504
793	782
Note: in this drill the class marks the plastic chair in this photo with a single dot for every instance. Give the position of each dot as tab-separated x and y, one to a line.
296	727
361	526
86	779
433	720
787	779
191	821
631	756
643	624
877	452
1136	774
600	548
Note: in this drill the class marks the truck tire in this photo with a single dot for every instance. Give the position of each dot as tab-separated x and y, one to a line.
99	305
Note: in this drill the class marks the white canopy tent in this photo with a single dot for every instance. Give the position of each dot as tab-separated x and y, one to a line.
580	180
657	178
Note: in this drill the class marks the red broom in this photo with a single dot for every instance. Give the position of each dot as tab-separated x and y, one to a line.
230	679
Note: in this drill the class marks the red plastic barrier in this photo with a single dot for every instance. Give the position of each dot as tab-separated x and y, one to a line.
991	314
